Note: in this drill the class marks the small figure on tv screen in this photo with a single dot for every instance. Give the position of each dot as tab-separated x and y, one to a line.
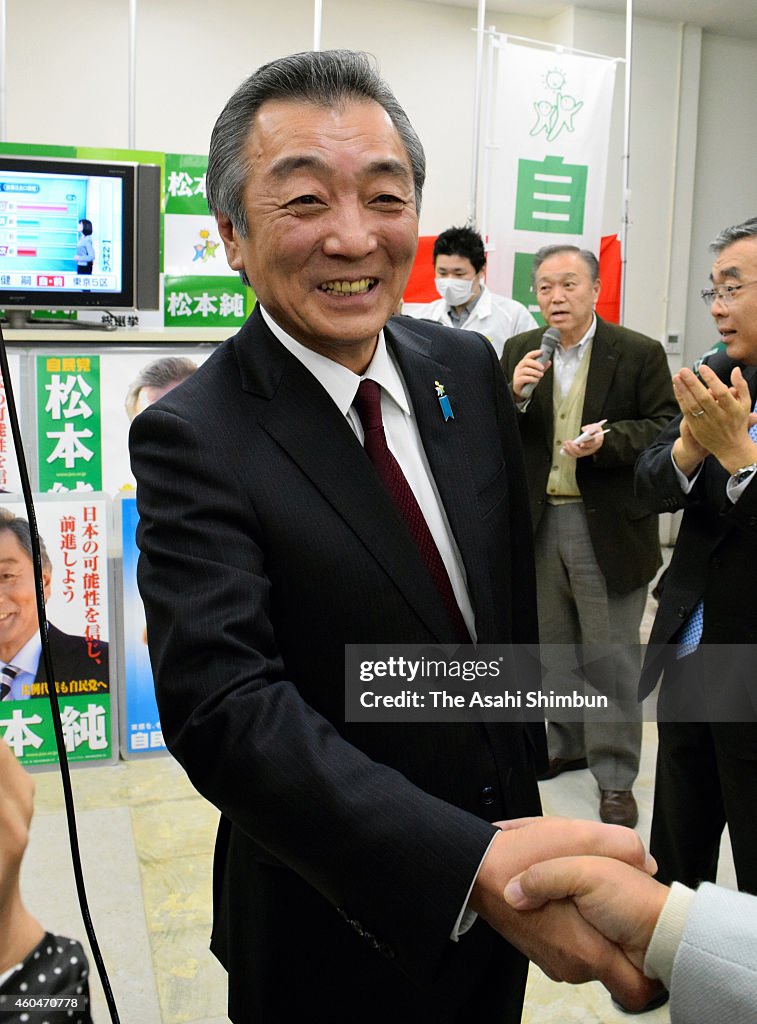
85	250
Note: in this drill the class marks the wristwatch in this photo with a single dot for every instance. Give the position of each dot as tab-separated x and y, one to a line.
743	474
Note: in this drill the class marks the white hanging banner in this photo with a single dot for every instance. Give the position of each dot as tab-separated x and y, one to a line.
548	159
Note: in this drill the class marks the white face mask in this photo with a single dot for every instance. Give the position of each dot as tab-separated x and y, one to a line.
455	291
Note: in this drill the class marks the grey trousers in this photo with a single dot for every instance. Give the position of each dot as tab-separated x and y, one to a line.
590	643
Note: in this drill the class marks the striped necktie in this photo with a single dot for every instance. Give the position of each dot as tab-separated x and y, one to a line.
7	674
690	634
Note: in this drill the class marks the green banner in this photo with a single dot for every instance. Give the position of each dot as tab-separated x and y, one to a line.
206	302
551	196
522	289
68	423
185	184
27	728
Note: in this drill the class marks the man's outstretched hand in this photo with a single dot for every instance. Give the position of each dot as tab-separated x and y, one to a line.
555	934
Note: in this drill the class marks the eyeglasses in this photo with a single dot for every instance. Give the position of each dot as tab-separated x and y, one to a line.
725	293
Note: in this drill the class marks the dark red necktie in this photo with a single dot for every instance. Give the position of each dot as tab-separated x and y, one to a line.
368	406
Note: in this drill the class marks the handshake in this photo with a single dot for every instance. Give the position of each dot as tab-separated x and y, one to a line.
577	897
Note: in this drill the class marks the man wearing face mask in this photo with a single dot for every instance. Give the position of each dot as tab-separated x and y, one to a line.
466	302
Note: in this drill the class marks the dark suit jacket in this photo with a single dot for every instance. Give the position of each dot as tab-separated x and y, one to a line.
629	385
74	659
715	556
268	543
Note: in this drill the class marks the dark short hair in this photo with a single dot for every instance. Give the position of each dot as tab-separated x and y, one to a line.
86	226
461	242
158	374
546	251
21	531
734	234
327	78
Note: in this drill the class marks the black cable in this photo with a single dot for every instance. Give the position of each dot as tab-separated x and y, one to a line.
68	795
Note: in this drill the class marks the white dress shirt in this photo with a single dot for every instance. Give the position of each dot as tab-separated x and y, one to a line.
26	661
402	438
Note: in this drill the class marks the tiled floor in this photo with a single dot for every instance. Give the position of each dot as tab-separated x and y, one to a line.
147	842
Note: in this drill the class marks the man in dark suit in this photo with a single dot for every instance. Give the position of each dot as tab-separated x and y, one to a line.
351	857
597	545
81	665
705	462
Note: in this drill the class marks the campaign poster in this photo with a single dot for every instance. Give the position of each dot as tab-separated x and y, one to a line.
140	724
10	479
199	287
74	532
68	422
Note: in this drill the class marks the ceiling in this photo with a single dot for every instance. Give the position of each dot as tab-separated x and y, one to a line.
735	18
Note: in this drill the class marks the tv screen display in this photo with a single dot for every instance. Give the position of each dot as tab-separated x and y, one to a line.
69	234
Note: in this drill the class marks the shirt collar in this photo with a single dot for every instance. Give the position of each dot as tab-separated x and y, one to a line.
469	307
337	380
483	303
581	346
27	659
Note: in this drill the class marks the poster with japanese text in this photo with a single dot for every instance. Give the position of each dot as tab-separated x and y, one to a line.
140	725
9	475
199	288
74	538
85	404
547	159
68	423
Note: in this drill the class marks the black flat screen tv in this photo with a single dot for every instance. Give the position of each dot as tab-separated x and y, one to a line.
77	235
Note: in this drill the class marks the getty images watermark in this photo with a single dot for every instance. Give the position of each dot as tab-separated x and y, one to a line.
561	682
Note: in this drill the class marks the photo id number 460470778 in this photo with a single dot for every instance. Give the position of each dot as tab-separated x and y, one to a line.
11	1003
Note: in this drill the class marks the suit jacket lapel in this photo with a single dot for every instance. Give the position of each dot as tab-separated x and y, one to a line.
306	423
602	366
449	455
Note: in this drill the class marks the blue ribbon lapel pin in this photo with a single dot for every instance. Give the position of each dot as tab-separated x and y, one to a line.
444	403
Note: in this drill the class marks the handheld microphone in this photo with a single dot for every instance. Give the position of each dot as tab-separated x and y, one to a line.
549	342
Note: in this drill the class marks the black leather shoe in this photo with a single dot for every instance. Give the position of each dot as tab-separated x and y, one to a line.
656	1001
618	807
558	765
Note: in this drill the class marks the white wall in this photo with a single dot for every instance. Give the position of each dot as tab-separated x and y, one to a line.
725	190
67	80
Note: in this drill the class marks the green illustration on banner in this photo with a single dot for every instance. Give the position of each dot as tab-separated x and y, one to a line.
522	290
27	728
68	423
551	196
185	184
206	302
556	113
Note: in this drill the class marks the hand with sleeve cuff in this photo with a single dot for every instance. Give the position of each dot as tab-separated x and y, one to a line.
555	934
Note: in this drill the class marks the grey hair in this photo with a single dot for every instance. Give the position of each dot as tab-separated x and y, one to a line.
327	78
546	251
21	531
734	234
158	374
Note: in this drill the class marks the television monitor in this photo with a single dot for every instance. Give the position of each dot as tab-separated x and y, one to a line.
77	235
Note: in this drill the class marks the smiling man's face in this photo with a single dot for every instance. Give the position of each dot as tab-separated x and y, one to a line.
18	606
332	223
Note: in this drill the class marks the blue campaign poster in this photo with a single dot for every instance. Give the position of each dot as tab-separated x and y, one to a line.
141	723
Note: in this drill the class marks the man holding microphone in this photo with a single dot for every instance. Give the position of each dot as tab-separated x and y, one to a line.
585	416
